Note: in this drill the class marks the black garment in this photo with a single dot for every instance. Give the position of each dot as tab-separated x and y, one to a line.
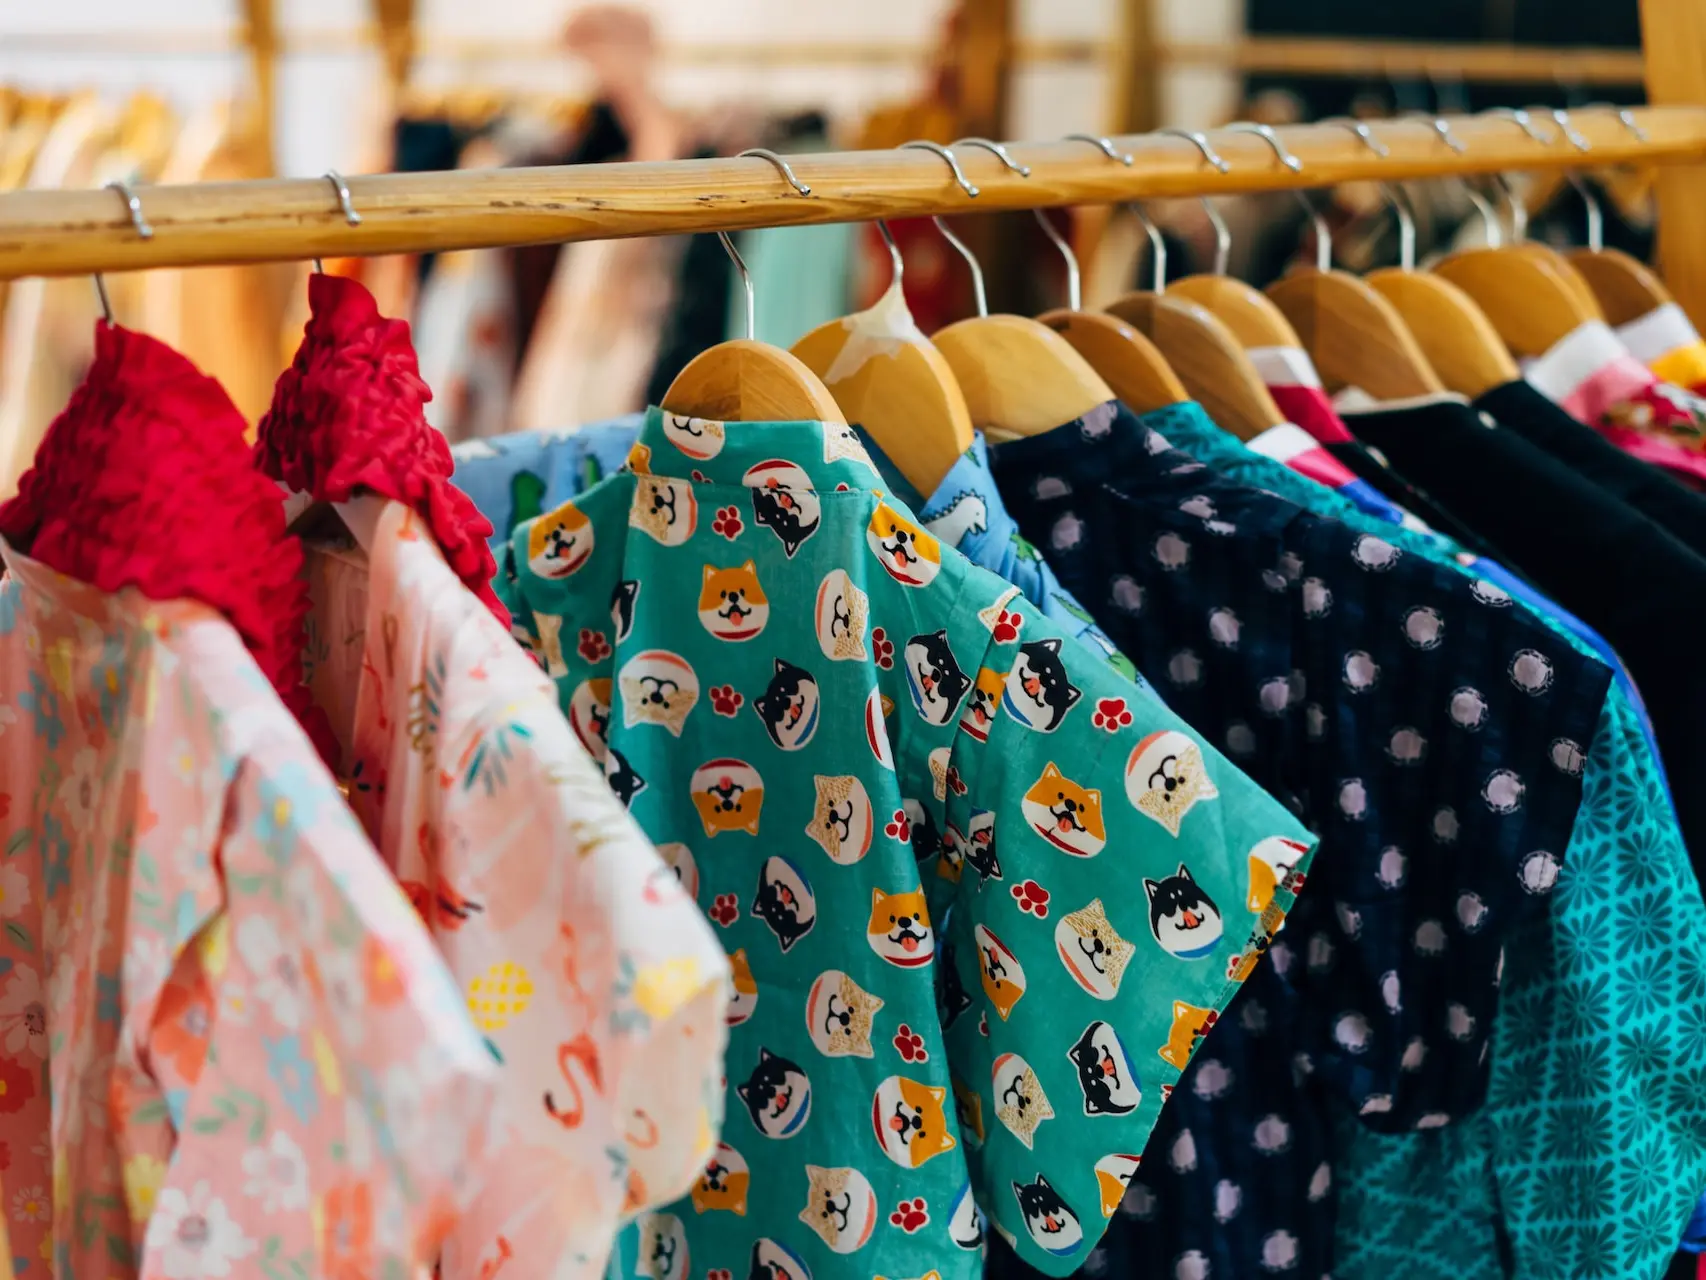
1653	492
1594	553
1366	465
1410	716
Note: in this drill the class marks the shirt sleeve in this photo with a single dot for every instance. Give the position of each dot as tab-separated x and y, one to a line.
1116	879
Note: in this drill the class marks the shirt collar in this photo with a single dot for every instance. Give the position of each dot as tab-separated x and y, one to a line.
807	456
1587	371
965	510
1663	329
1296	387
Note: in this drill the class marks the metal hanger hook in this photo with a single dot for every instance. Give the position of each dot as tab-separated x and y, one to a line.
1519	211
1625	116
1200	140
746	283
1323	233
1441	126
1222	236
1526	122
1157	247
1105	146
1000	152
1489	215
1074	282
966	184
1362	131
1399	201
978	294
894	252
1596	215
142	227
1572	135
345	205
782	166
1266	133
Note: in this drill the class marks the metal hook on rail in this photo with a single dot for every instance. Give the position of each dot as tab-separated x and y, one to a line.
978	291
1525	120
1074	287
966	185
1391	194
1266	133
728	242
786	169
1222	234
142	227
345	206
1200	140
1362	131
1441	126
1625	117
1105	146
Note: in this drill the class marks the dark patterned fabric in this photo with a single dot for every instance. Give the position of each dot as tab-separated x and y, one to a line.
1428	727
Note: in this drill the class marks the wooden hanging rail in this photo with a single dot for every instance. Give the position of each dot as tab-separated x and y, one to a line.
1462	63
58	233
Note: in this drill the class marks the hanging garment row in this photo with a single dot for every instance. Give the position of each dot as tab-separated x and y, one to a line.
879	866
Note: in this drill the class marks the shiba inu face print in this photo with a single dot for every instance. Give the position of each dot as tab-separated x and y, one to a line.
663	1247
1182	917
842	613
1020	1103
699	438
745	997
840	1015
1165	778
842	822
589	716
783	502
968	1108
723	1184
840	1206
778	1096
559	543
785	901
966	1227
1105	1077
877	708
658	687
789	707
1113	1175
899	928
910	1121
667	510
978	845
911	556
729	796
1038	693
1092	950
623	597
1190	1024
985	699
934	678
772	1260
1271	868
1065	814
623	780
732	604
1003	976
1053	1227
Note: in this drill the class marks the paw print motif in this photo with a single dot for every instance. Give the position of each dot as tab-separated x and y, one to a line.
1111	714
593	646
725	910
718	1273
898	827
701	478
910	1045
728	523
1007	626
882	648
1032	899
725	701
956	784
911	1215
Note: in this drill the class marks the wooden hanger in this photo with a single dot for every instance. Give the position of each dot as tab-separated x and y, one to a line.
1625	288
892	382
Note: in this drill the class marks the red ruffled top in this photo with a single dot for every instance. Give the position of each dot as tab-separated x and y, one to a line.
145	480
349	417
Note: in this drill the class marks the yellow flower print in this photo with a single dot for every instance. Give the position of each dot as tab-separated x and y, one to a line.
661	989
59	663
143	1177
331	1079
214	946
503	993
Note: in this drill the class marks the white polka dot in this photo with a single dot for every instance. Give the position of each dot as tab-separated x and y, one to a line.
1302	1067
1468	708
1171	551
1407	746
1567	756
1353	799
1220	528
1052	487
1434	1120
1067	533
1503	792
1430	937
1126	594
1459	1022
1274	580
1228	1199
1445	825
1361	671
1488	594
1424	628
1317	598
1191	1265
1315	721
1539	872
1375	554
1352	1032
1253	1017
1186	468
1184	1153
1272	1135
1320	952
1138	1202
1213	1079
1280	956
1223	628
1291	565
1199	506
1415	1053
1389	991
1279	1251
1471	912
1350	919
1531	671
1321	1181
1275	695
1392	867
1375	1104
1184	669
1155	442
1240	739
1499	968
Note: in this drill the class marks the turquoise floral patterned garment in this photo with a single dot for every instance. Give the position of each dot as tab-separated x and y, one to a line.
896	789
1591	1149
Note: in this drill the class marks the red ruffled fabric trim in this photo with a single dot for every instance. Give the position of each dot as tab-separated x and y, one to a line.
348	416
145	481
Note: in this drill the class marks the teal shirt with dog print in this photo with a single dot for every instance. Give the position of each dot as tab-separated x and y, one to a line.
981	894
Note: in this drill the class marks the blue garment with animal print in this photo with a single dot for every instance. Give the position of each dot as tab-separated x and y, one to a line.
900	793
1426	726
515	477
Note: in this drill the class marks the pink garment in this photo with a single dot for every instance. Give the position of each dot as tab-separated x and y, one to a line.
1296	388
257	1062
596	980
1296	448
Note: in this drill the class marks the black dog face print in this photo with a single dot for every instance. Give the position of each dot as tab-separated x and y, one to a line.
778	1096
1038	693
789	707
933	677
1182	917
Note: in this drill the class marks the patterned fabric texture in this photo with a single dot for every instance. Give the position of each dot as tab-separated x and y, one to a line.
227	1046
1419	721
873	751
1400	1196
596	981
513	478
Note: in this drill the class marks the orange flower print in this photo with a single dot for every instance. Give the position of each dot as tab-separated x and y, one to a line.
383	979
349	1232
181	1025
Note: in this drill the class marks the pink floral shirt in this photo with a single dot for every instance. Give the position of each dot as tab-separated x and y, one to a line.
595	979
227	1047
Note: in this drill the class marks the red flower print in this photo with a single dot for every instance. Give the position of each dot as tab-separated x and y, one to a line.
910	1045
956	784
700	476
718	1273
1111	714
1166	1092
593	646
724	700
17	1085
725	910
882	648
911	1215
727	523
898	827
1008	626
1032	899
